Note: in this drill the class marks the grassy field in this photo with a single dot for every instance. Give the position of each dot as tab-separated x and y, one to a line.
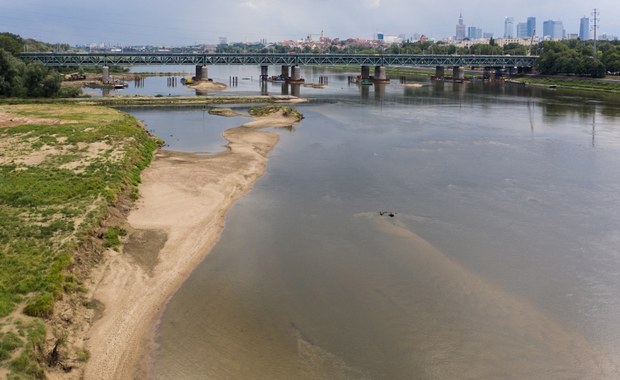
61	168
577	83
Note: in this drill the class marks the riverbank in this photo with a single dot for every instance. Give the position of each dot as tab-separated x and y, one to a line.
65	171
164	101
183	203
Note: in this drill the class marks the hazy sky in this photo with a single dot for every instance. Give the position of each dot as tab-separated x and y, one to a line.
184	22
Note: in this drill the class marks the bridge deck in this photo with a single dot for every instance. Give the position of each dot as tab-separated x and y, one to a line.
132	59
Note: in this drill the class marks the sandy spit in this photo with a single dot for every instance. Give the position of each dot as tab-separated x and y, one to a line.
185	196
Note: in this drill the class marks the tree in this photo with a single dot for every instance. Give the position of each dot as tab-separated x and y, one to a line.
11	43
11	69
611	59
40	81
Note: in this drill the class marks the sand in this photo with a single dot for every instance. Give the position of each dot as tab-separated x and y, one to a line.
207	85
184	197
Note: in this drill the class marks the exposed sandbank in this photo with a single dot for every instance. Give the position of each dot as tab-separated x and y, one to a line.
185	197
207	85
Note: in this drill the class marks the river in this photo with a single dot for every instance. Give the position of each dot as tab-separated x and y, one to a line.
446	231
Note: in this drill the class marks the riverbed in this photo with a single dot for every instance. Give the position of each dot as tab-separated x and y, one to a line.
441	231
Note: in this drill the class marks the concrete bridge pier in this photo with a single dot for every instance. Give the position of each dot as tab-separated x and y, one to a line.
264	73
458	73
105	75
202	72
296	75
365	72
380	91
380	76
263	88
285	72
440	72
296	89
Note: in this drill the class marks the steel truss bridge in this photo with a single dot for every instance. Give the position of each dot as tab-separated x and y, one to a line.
204	59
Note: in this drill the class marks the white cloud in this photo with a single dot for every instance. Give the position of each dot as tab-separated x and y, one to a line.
249	5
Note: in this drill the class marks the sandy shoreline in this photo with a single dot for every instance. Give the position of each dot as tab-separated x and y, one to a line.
184	197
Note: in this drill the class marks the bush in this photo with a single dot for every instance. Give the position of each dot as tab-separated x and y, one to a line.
41	306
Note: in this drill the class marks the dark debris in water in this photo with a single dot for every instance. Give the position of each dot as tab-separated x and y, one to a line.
388	213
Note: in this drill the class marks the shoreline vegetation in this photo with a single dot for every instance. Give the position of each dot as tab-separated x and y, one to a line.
78	252
154	101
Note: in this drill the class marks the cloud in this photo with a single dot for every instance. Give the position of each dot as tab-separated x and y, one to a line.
373	4
249	5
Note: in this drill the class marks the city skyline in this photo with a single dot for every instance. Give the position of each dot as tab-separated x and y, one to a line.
193	22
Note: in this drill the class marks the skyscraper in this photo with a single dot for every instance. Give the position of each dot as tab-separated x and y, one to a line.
553	30
460	28
531	26
474	33
509	27
522	30
584	29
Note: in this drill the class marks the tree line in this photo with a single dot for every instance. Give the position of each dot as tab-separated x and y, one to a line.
571	57
25	79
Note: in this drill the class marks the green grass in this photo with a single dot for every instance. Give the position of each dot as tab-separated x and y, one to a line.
268	110
49	207
576	84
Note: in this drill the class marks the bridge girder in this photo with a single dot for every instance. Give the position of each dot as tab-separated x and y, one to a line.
134	59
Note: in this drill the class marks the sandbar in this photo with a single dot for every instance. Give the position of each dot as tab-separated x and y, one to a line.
183	197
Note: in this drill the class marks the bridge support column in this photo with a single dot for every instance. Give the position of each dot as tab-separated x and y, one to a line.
296	89
458	73
380	76
105	75
365	72
285	72
440	72
296	75
264	72
201	72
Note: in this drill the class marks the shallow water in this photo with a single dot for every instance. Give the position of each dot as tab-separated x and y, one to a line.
501	261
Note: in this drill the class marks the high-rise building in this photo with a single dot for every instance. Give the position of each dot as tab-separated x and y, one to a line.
531	26
522	30
553	30
584	29
474	33
460	28
509	27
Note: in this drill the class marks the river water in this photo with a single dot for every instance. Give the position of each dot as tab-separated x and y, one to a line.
501	259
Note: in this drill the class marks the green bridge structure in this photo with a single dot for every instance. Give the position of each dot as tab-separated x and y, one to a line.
290	61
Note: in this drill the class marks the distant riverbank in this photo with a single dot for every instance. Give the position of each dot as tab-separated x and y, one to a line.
115	101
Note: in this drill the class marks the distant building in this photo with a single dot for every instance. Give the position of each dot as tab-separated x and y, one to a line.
522	30
509	27
223	41
509	41
531	26
488	35
553	30
608	37
460	28
474	33
584	29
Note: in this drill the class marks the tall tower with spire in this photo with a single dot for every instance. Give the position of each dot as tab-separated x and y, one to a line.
460	28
